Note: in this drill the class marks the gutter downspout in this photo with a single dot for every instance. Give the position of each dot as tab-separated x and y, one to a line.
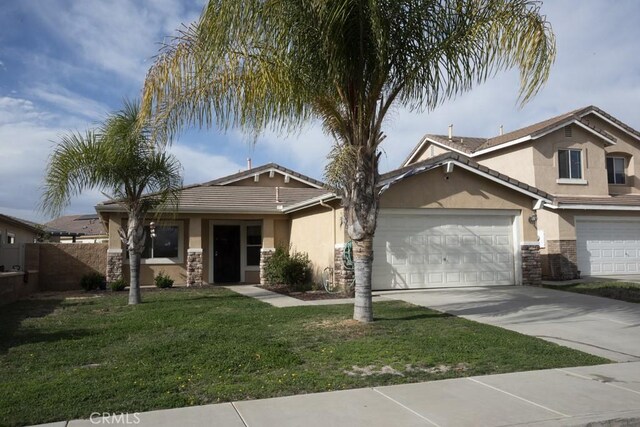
333	212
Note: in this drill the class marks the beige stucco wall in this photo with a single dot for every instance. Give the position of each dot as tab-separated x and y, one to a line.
11	255
428	151
316	231
626	146
560	224
593	163
459	190
516	162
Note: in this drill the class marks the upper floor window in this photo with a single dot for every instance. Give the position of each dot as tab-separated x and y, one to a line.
11	239
615	170
570	164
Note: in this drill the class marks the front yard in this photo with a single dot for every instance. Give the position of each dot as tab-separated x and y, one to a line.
63	359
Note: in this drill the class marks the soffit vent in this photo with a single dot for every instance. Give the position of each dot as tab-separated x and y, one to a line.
567	131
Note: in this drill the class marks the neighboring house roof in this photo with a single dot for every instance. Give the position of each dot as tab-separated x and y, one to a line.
76	225
31	226
262	169
474	146
390	178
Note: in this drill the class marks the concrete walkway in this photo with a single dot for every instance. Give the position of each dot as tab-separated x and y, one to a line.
600	326
592	396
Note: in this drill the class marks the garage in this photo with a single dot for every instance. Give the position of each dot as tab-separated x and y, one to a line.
425	248
608	246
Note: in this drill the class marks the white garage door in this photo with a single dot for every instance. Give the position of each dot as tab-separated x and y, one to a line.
608	247
413	249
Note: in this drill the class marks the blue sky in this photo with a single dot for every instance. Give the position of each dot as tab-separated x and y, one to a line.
65	63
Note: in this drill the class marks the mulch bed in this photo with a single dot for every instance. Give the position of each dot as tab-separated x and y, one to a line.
304	296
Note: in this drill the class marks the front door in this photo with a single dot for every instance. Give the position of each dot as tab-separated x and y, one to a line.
226	253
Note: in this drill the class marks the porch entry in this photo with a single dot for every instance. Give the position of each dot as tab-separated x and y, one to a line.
235	251
226	253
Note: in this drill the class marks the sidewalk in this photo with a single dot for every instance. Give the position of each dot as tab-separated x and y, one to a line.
604	395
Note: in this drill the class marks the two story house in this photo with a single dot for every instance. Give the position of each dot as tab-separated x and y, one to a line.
587	162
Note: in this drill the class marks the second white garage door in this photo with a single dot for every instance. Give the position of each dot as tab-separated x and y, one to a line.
608	247
413	249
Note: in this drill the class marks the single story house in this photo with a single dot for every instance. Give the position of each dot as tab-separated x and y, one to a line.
14	234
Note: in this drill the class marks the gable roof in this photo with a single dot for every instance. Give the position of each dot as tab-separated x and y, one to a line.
473	146
28	225
390	178
217	196
225	180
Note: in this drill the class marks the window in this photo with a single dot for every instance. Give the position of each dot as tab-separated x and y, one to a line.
11	239
615	170
570	164
164	244
254	244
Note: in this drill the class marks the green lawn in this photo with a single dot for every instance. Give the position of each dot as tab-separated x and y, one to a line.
63	359
623	291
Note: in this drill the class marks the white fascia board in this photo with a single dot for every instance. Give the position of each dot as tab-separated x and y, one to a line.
415	151
501	182
593	207
501	146
612	123
610	141
439	144
311	202
270	171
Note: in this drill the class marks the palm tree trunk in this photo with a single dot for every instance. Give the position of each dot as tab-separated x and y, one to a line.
135	246
134	278
363	263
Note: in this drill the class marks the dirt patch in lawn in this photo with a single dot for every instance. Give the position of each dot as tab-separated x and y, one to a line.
304	296
367	371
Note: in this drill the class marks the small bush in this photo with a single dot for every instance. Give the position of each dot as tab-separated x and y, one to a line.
163	280
92	281
292	270
118	285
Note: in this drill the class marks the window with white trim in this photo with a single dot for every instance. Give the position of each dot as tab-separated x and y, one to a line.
570	164
11	239
254	244
615	170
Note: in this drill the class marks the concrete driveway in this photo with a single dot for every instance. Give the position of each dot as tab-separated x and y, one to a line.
600	326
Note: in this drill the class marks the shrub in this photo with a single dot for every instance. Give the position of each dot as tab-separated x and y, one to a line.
118	285
163	280
92	281
292	270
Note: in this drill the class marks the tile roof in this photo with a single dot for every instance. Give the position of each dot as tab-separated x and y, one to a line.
472	145
217	196
21	222
415	168
87	224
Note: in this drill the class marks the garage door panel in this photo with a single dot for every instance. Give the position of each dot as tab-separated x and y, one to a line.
608	247
418	251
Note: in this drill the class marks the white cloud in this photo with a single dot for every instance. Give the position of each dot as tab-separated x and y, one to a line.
200	166
65	100
120	37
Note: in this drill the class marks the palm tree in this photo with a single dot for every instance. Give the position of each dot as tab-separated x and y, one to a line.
119	158
277	64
